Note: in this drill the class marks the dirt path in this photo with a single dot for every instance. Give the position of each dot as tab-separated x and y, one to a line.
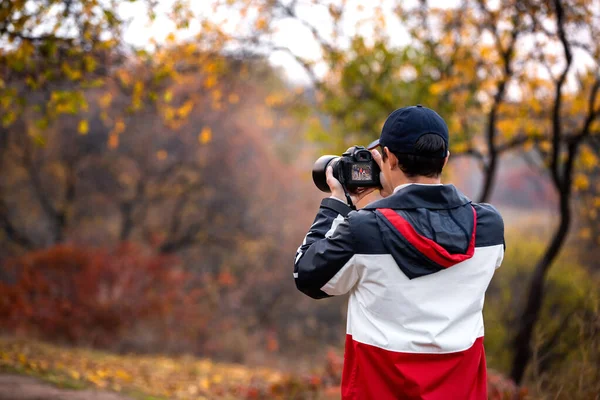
17	387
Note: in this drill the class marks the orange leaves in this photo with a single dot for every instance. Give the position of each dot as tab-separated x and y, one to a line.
161	155
124	77
205	135
137	96
437	88
508	127
105	100
261	24
113	136
210	81
588	159
119	127
581	182
226	278
174	378
274	99
185	109
233	98
68	293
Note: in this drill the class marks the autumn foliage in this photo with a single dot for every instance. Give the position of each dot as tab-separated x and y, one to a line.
92	296
151	200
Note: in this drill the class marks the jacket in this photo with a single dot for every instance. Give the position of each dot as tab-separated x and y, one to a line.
417	265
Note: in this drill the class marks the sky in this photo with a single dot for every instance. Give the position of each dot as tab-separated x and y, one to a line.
289	33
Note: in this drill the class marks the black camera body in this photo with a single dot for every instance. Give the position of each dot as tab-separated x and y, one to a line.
355	169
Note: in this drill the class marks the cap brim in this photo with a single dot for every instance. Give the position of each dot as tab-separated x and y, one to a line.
373	144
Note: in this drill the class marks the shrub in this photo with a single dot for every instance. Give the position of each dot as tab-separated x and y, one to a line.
92	296
566	351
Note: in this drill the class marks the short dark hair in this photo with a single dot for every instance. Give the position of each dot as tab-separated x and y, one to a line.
423	164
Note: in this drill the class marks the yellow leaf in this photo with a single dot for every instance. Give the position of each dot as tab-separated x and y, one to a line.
205	136
507	127
123	375
119	127
437	88
261	23
588	159
274	100
161	154
234	98
581	182
545	146
74	374
210	81
460	147
113	141
185	109
83	127
585	233
205	383
105	100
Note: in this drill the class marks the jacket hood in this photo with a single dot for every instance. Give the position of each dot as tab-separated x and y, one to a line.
427	228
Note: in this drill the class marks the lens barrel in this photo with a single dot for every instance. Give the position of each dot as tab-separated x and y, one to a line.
318	171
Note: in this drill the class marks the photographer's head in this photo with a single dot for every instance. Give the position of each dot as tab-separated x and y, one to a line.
414	146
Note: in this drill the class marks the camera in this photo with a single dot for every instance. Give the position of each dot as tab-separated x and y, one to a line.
355	169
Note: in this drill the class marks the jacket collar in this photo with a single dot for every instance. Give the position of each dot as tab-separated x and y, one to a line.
400	187
433	197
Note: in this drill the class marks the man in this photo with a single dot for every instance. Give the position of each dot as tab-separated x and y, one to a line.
416	263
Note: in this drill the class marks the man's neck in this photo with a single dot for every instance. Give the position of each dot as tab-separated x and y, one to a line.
423	180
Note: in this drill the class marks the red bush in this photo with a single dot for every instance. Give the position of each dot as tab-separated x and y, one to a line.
91	296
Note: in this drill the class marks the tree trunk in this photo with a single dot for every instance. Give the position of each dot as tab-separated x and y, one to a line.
489	179
535	296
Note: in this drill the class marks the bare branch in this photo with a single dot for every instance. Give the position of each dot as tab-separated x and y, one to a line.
291	13
507	56
305	65
556	125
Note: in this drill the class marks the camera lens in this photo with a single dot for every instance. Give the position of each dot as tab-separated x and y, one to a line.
318	172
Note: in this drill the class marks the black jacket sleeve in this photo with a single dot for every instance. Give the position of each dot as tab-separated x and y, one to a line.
324	264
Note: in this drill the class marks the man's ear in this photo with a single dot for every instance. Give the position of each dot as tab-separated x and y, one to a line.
446	159
391	158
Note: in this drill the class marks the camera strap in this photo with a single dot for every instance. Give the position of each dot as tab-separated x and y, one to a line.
349	199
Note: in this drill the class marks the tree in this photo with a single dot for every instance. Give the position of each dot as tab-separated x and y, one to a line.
489	69
56	49
566	140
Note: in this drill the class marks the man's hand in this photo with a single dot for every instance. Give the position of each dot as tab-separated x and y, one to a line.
337	189
385	190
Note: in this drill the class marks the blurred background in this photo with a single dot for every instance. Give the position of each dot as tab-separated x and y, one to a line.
155	183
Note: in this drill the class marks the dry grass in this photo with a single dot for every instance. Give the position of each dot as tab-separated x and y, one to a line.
150	377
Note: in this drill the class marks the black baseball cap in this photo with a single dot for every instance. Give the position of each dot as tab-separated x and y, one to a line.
406	125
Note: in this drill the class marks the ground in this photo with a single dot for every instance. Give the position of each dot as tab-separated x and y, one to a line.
54	372
18	387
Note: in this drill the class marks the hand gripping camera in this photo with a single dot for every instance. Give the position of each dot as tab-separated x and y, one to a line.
355	169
